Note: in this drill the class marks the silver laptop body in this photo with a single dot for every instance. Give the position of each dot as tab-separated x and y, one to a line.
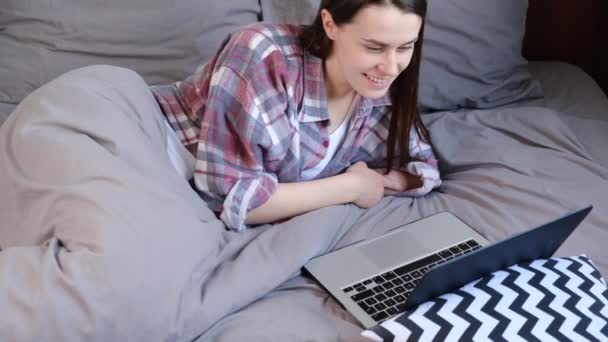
358	271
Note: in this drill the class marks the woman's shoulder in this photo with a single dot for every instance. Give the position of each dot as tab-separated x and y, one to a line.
261	51
264	37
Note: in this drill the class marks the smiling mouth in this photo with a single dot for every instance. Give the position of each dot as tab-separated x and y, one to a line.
377	80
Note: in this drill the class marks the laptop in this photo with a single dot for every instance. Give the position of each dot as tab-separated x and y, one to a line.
380	278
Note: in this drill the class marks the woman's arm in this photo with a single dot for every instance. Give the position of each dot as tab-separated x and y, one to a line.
359	185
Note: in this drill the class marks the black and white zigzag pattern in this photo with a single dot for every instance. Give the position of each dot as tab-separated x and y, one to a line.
559	299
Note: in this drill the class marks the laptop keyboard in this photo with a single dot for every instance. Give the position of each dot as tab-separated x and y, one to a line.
383	296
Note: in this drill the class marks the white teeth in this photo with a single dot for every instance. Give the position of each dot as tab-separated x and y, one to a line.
376	80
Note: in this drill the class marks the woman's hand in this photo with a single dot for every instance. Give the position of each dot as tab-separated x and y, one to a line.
398	181
368	185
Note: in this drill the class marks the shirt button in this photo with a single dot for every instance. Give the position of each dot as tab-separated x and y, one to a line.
325	143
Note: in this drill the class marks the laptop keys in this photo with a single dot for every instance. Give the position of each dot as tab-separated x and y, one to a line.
362	295
392	311
380	307
455	250
417	264
380	316
370	310
371	301
445	254
378	280
464	247
389	275
384	296
473	244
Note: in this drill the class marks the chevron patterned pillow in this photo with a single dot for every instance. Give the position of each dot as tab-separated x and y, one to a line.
558	299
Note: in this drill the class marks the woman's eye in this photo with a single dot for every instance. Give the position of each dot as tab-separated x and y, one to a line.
374	48
405	48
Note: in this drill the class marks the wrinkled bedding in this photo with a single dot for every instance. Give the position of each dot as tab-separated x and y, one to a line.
5	111
102	240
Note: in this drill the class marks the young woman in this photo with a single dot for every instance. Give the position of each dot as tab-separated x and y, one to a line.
288	119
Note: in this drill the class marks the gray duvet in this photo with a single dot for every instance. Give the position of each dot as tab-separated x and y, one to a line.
102	240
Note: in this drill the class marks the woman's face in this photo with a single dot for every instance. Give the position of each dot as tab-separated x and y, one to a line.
372	50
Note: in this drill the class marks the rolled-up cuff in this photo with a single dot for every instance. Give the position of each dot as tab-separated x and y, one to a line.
429	175
244	196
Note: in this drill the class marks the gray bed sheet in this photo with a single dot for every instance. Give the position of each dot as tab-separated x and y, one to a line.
569	90
101	240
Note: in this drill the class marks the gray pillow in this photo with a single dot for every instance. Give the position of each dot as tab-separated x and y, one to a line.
289	11
472	55
162	40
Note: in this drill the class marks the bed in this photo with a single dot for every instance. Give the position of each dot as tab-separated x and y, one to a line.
100	239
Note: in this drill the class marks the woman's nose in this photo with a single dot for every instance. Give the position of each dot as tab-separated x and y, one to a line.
390	65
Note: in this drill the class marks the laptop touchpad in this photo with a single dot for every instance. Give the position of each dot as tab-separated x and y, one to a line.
395	251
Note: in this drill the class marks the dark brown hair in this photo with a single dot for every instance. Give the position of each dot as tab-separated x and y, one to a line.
403	91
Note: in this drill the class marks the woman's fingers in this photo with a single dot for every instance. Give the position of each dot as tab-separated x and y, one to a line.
389	192
396	180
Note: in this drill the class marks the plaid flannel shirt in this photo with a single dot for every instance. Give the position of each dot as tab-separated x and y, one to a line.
256	115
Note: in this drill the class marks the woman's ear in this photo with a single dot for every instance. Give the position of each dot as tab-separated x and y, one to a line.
328	24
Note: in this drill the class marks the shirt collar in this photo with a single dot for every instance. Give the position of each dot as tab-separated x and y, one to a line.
381	101
314	102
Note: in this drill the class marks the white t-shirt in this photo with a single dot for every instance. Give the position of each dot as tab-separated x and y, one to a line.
336	138
183	162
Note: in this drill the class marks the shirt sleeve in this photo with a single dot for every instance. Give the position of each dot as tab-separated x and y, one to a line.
234	138
423	164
